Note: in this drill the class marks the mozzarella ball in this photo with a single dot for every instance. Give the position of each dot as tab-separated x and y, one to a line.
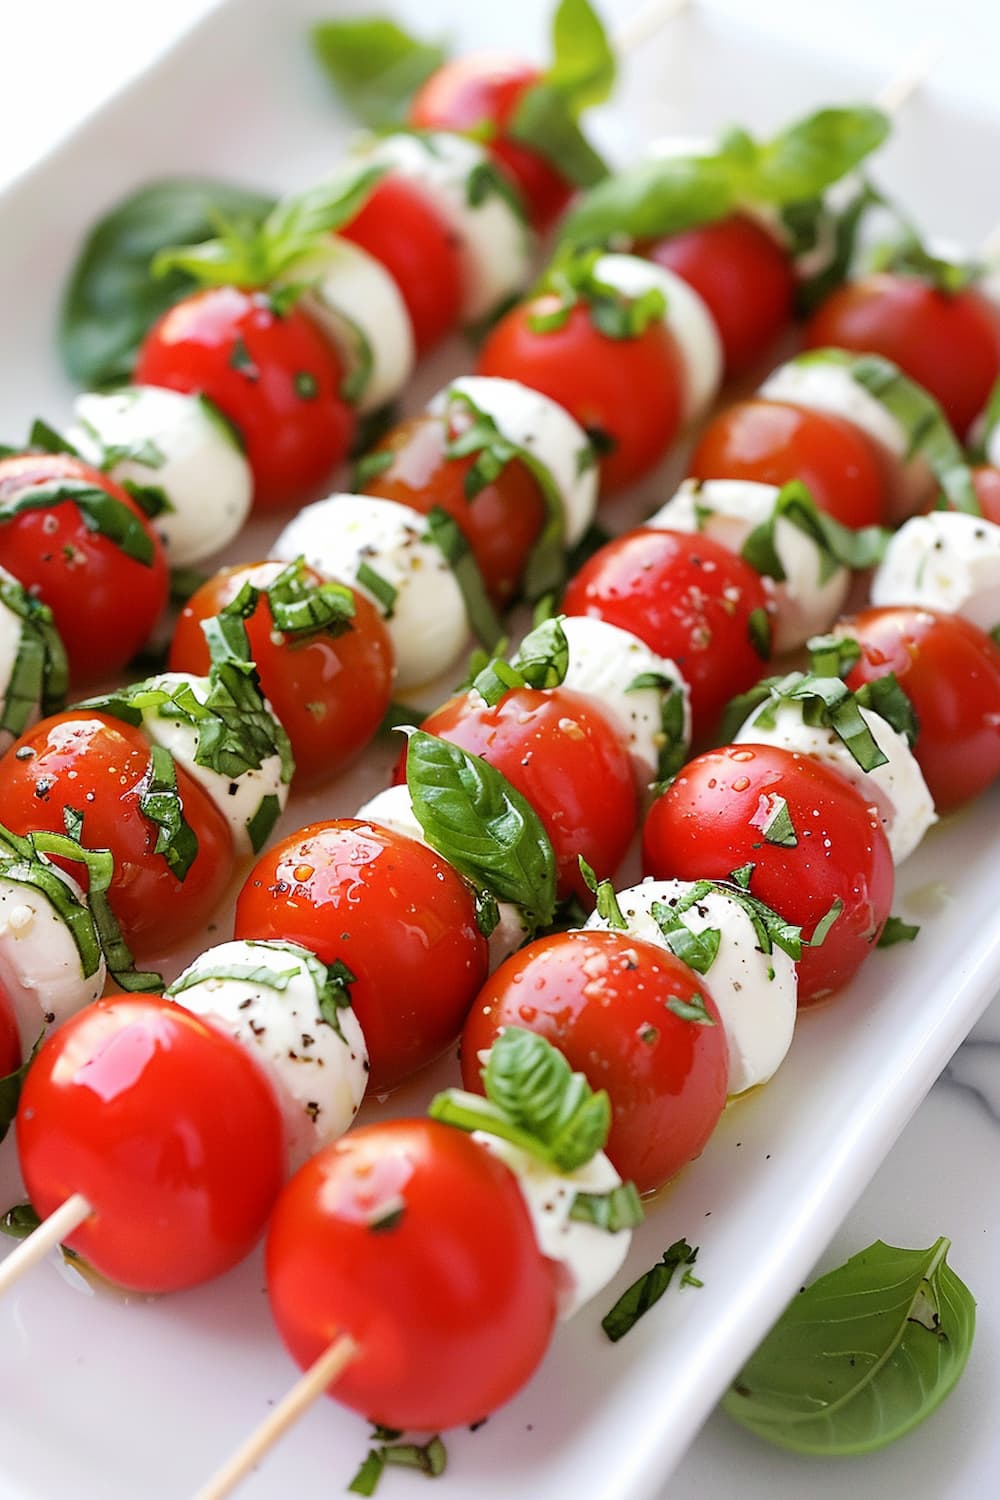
946	560
41	974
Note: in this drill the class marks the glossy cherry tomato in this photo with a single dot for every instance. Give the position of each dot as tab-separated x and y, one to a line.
560	752
745	278
986	482
97	766
104	602
10	1040
688	598
274	375
168	1129
771	442
628	393
395	913
950	671
485	89
501	522
948	342
400	228
603	999
705	825
416	1242
329	691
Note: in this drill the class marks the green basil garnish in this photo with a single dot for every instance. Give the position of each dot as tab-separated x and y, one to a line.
606	898
643	1294
839	545
374	65
446	534
99	512
582	73
160	802
40	674
613	1211
897	931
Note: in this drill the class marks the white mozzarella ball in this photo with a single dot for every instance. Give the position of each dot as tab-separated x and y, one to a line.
427	619
318	1071
238	800
686	317
41	974
546	431
177	444
604	661
494	244
897	789
946	560
359	307
588	1256
755	992
728	510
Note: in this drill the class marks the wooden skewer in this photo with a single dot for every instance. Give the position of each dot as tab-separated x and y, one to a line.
50	1232
914	69
645	23
327	1368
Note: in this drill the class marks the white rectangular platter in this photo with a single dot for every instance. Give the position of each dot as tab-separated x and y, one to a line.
111	1399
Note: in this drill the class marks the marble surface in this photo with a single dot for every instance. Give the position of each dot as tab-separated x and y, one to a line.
941	1176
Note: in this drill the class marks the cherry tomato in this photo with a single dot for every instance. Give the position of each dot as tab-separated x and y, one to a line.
950	671
688	598
705	826
416	1242
97	766
745	278
400	228
772	442
501	522
986	483
948	342
628	393
104	602
123	1106
560	752
396	913
273	374
10	1040
603	999
485	88
329	691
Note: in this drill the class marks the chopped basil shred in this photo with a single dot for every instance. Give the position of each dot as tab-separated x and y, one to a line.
573	280
643	1294
672	741
540	661
606	903
10	1094
698	950
382	591
429	1458
613	1211
838	545
160	802
691	1009
822	702
897	931
446	534
40	674
100	512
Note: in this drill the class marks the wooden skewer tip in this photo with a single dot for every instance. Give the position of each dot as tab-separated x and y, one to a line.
50	1233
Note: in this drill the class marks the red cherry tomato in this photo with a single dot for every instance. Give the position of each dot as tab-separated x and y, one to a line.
628	392
705	826
602	999
395	913
485	88
416	1242
560	752
771	442
950	671
948	342
501	522
329	691
96	766
10	1040
104	602
123	1106
274	375
986	483
400	228
745	278
688	598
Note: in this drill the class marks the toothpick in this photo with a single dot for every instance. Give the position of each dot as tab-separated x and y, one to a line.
50	1232
645	23
911	74
326	1369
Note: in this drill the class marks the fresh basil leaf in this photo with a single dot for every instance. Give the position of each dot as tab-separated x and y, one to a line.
839	545
160	802
884	696
10	1092
48	440
861	1356
446	534
258	974
303	609
430	1458
40	674
777	826
113	299
20	1221
260	824
643	1294
691	1009
833	655
99	512
542	658
897	931
698	950
531	1082
544	121
370	466
470	813
613	1211
812	154
846	227
821	701
374	65
759	631
649	199
382	591
606	903
365	1481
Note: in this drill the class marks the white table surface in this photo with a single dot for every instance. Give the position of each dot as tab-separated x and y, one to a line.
63	57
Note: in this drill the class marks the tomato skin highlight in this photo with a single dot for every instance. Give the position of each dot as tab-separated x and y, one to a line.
451	1302
687	597
948	342
95	765
555	747
123	1106
701	829
396	913
629	390
330	692
744	277
601	998
75	570
423	261
276	377
773	442
950	671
